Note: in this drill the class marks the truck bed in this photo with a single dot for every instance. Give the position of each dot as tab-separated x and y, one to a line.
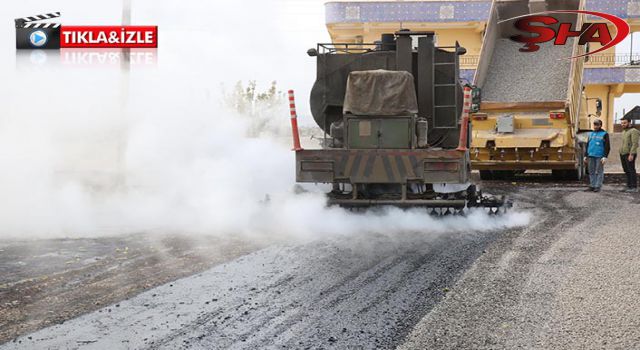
527	77
507	75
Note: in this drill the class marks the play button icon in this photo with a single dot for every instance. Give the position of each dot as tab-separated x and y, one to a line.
38	38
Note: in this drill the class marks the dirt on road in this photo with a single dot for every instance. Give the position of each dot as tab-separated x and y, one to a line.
46	282
568	279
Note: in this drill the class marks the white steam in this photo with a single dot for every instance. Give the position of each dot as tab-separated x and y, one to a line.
177	165
87	149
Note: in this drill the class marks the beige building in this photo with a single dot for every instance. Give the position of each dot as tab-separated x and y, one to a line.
607	75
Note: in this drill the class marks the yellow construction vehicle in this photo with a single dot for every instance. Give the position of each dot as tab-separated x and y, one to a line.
530	109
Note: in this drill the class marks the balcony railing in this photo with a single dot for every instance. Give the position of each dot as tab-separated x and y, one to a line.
620	59
469	60
612	60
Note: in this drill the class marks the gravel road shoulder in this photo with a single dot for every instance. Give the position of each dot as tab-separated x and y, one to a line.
571	280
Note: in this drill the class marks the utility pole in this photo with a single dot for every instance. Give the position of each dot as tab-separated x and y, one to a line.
125	69
126	20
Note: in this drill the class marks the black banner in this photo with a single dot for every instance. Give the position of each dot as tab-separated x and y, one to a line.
38	38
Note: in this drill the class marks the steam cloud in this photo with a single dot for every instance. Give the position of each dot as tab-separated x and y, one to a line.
90	150
179	165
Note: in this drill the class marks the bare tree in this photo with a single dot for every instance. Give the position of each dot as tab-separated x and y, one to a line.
266	109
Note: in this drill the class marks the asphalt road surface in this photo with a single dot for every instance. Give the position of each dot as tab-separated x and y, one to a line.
569	279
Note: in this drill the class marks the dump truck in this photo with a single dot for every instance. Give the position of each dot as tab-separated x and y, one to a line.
394	133
529	107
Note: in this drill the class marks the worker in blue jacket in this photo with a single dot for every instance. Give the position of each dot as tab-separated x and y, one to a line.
598	148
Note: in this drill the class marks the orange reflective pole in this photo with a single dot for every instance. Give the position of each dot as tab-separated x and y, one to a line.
464	132
294	123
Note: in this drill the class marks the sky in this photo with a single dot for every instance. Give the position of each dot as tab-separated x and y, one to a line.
216	42
88	147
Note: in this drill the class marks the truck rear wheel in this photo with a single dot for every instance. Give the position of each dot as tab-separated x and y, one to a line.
565	175
569	175
503	174
579	173
558	174
576	175
497	174
573	175
486	175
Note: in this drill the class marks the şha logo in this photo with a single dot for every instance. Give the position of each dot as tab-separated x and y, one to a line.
589	33
33	34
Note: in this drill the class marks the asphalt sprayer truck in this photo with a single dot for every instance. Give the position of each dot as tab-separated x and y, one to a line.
529	110
395	130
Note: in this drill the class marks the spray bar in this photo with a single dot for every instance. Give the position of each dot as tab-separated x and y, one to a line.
464	132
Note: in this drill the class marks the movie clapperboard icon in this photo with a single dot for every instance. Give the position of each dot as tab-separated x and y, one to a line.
32	34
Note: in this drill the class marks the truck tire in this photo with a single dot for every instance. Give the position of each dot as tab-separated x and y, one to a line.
486	175
573	175
558	174
570	175
579	173
503	174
